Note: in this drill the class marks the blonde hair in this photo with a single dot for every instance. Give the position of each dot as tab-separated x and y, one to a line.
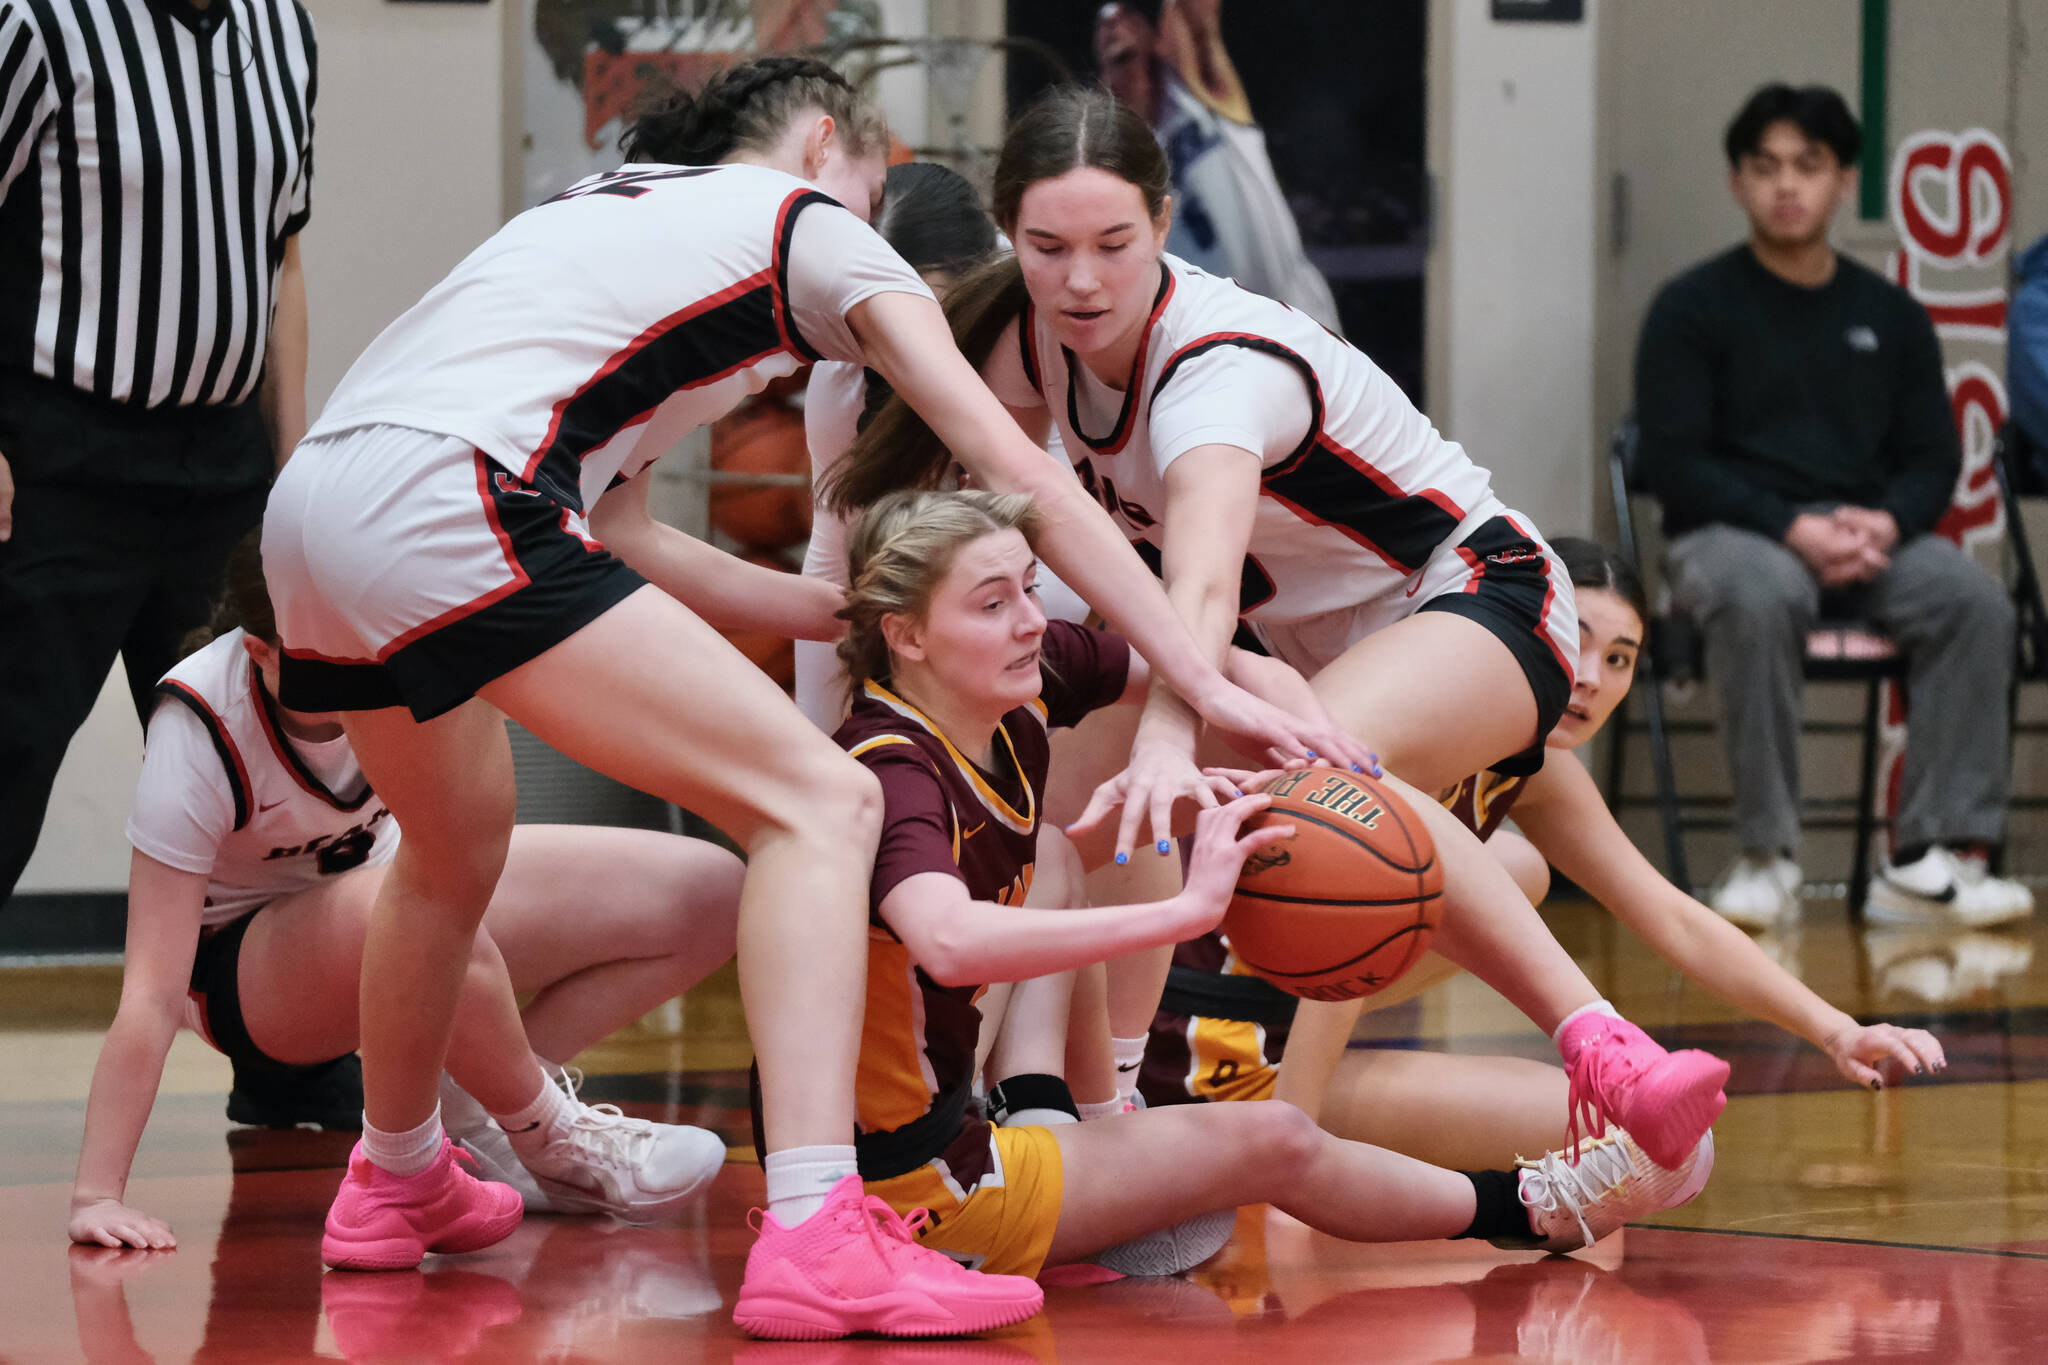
901	547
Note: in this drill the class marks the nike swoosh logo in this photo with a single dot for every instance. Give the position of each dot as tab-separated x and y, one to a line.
527	1129
273	805
972	832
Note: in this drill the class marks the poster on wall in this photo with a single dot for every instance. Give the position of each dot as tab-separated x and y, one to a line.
590	63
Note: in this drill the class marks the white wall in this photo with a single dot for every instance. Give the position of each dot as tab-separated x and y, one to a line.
1509	321
409	174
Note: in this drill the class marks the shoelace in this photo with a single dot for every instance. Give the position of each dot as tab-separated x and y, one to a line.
1587	1116
619	1136
1594	1169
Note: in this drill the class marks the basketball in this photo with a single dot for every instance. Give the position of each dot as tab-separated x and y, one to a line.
1348	903
762	437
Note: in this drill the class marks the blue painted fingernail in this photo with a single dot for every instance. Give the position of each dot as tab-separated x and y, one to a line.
1122	858
1311	753
1355	768
1165	846
1238	790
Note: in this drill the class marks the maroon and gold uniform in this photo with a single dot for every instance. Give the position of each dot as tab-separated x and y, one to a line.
1219	1031
993	1195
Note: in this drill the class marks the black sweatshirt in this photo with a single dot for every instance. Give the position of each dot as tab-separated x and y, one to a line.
1757	397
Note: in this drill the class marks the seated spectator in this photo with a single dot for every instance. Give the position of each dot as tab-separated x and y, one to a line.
1796	426
1165	60
2026	353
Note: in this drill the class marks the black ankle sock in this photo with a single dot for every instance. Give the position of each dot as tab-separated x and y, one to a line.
1498	1210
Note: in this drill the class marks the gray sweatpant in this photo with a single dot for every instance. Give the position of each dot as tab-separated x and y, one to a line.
1755	600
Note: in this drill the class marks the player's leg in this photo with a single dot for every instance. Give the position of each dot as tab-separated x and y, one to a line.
1029	1036
1438	696
1127	1176
650	695
1468	1113
1528	867
602	925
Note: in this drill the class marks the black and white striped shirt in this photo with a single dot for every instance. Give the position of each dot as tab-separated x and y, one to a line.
154	158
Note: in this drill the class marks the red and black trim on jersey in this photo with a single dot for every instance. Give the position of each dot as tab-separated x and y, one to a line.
223	744
1327	485
558	582
1126	417
718	335
273	730
1511	592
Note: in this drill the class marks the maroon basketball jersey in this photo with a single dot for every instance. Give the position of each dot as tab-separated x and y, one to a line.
944	812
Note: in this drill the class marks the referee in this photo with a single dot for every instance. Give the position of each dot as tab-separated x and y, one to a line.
155	167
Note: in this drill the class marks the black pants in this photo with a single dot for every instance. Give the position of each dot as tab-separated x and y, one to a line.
122	521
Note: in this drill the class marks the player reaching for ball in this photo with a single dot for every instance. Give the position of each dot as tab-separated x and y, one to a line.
1280	479
959	677
440	557
1220	1034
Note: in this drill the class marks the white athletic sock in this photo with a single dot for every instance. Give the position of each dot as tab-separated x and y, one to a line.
1597	1007
460	1113
406	1153
1039	1118
799	1178
1101	1109
531	1125
1130	1055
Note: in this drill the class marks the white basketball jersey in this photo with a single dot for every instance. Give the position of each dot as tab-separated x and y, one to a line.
1351	506
595	330
227	793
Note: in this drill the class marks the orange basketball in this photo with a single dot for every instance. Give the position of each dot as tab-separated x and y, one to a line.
1349	902
761	437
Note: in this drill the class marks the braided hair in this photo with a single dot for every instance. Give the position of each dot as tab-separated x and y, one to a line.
747	108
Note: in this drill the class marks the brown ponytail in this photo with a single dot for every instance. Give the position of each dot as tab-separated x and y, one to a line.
897	450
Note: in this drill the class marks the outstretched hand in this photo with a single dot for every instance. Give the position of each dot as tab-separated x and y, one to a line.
1220	847
1159	777
1858	1049
1262	730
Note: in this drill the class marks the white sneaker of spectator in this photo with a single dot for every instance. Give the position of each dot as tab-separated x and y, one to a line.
1942	887
1757	891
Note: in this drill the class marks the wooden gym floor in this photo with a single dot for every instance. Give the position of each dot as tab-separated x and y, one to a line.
1910	1225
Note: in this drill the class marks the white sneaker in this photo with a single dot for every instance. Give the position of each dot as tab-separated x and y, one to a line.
1573	1204
1941	888
1169	1251
1757	893
473	1130
601	1161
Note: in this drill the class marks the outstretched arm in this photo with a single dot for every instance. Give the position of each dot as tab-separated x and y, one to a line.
905	337
959	941
1563	815
726	591
164	907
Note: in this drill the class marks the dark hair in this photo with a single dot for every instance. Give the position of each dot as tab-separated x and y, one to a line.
746	108
1590	564
934	220
1814	110
244	601
1069	127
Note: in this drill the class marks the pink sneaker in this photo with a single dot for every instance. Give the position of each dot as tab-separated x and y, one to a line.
854	1266
1666	1100
381	1221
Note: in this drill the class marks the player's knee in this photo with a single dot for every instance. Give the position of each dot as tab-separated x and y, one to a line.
1285	1137
847	803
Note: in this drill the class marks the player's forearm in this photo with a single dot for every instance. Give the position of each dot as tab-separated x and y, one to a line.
988	942
728	592
1728	963
1208	606
124	1087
